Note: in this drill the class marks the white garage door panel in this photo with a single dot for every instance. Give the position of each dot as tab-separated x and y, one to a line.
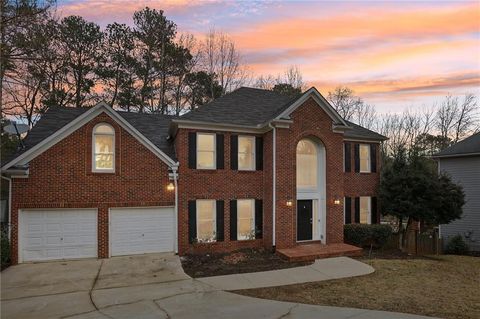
58	234
141	230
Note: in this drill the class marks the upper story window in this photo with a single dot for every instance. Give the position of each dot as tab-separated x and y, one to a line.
246	153
365	166
307	165
206	151
103	148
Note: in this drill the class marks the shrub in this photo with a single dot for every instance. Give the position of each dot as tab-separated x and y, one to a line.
5	250
456	246
364	235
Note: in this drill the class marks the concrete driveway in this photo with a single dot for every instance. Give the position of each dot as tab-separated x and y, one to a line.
145	286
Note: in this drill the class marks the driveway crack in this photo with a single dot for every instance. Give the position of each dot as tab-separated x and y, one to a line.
289	312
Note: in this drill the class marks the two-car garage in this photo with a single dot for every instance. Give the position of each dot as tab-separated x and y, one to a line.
52	234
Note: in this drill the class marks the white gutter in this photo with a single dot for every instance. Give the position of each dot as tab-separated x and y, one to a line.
175	183
9	206
274	191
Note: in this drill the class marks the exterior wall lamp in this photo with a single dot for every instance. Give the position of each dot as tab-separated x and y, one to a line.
289	203
170	187
336	201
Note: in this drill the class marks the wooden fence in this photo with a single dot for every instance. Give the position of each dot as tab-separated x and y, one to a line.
423	244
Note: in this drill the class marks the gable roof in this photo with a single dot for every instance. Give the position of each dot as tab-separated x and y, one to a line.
359	132
57	123
467	147
244	106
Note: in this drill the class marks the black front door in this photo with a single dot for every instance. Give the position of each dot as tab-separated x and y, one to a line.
304	220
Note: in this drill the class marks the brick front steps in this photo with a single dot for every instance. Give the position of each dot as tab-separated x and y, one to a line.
310	252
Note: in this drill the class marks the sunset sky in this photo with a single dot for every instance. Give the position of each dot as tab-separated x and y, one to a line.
393	54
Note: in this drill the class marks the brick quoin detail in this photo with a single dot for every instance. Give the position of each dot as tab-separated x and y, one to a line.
62	177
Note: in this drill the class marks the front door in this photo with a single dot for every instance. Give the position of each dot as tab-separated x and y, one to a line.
304	220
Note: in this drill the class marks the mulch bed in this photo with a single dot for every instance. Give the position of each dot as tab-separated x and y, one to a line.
242	261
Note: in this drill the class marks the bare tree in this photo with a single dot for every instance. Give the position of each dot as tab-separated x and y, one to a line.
265	82
221	58
345	102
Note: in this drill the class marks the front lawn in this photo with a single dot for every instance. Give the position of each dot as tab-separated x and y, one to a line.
242	261
443	286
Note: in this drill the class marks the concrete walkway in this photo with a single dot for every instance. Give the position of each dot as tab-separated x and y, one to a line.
321	269
151	286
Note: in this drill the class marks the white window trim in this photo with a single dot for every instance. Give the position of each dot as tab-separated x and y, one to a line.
253	219
369	169
94	168
369	214
214	217
214	151
254	155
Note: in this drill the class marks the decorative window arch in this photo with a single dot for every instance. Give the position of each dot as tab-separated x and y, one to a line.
103	148
307	164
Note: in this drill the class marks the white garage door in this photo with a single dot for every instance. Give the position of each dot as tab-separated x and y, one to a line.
141	230
50	234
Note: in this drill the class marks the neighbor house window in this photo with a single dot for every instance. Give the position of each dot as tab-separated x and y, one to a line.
103	148
205	151
206	221
246	153
364	158
365	210
307	164
245	219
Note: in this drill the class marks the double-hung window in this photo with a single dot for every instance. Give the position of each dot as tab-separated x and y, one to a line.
206	220
245	219
103	148
365	210
206	151
365	158
246	153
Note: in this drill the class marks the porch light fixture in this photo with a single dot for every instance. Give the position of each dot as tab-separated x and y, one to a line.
289	203
336	201
170	187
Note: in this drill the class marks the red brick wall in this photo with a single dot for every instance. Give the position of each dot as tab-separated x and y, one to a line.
221	184
309	121
62	177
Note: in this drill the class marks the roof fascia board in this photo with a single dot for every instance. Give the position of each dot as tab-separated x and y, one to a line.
456	155
218	127
362	140
321	101
79	122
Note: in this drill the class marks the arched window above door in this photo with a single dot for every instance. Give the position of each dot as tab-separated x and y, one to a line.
307	164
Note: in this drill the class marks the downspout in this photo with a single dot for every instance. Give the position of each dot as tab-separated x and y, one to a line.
175	183
9	206
274	186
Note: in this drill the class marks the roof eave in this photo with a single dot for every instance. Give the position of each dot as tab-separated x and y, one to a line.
438	156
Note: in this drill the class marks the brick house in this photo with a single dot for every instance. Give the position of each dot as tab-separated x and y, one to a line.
250	169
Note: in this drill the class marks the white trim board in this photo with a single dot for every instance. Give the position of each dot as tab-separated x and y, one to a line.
81	120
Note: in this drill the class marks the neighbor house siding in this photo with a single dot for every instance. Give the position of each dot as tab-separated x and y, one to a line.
62	177
466	172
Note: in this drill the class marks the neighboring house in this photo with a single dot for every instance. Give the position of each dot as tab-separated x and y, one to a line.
461	162
250	169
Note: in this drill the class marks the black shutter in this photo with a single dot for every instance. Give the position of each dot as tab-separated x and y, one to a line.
234	152
192	150
233	220
258	218
374	212
357	210
356	154
220	220
192	221
348	210
348	157
259	153
220	151
373	158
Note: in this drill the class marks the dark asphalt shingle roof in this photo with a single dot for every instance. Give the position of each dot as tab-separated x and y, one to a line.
244	106
470	145
153	126
360	132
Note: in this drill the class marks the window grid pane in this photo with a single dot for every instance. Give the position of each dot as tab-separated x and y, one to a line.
364	210
307	165
206	222
246	152
205	150
245	219
364	158
103	148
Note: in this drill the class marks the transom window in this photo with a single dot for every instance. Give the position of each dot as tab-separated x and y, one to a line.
206	221
365	210
307	165
245	219
246	153
205	151
103	148
365	158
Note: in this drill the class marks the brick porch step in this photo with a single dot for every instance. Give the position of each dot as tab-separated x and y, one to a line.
310	252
